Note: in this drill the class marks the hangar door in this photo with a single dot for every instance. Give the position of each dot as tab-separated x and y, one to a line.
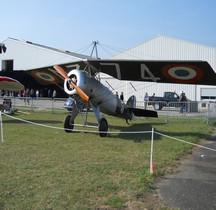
208	93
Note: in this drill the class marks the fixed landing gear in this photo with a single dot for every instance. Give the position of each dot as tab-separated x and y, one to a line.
103	127
68	124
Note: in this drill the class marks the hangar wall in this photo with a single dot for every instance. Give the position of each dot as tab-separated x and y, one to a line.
28	55
165	48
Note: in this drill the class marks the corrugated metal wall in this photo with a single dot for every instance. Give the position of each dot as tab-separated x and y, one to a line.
27	56
158	48
165	48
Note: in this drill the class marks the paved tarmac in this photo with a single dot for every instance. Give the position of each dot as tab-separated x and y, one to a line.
193	187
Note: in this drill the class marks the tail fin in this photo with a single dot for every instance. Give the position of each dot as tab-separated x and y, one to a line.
132	101
138	112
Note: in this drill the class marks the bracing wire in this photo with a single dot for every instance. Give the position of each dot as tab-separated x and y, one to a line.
84	49
110	49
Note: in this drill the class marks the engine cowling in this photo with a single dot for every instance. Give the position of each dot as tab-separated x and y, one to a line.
77	78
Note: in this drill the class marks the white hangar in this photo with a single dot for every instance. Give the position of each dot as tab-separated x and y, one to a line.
167	48
23	55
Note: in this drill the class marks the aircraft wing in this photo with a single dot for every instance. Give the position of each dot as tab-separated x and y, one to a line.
183	72
40	78
7	83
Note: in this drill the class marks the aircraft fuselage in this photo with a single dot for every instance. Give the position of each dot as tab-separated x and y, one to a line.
99	95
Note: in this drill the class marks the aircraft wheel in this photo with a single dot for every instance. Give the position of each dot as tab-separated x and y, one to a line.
68	124
103	126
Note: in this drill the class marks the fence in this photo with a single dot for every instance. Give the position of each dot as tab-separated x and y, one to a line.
200	110
33	104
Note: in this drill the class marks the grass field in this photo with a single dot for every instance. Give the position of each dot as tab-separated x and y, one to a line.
45	168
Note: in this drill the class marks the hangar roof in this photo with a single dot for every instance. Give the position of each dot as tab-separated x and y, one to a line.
51	48
25	55
169	48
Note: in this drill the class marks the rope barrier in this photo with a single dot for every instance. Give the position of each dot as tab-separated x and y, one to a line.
187	142
86	131
127	132
108	132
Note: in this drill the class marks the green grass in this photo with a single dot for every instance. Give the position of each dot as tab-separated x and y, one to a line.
44	168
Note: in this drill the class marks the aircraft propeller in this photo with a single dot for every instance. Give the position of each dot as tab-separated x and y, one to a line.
61	71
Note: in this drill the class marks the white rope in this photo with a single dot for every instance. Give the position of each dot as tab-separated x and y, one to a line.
120	132
183	141
86	131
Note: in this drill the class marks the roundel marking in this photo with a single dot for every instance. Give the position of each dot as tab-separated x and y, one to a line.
182	73
45	77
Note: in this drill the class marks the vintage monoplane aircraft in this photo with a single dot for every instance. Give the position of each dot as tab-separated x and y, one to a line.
82	83
100	98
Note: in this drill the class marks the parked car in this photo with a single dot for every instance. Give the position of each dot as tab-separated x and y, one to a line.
158	102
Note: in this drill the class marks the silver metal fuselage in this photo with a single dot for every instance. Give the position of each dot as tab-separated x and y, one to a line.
99	95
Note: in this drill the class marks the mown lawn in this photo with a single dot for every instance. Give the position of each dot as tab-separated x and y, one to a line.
46	168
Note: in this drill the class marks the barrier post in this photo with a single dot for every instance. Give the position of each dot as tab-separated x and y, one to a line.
2	139
208	110
151	156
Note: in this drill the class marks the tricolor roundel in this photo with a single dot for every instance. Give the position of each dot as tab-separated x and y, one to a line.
182	73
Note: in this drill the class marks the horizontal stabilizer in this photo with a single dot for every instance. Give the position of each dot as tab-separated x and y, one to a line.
144	112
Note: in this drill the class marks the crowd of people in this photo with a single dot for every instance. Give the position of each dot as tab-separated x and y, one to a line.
53	94
30	93
37	93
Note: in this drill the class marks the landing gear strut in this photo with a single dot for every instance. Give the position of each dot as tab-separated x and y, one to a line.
103	127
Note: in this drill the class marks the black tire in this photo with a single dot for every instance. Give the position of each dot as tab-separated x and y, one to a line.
68	124
157	106
103	127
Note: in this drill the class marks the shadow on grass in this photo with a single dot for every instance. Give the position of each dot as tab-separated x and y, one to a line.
139	137
33	121
133	127
124	132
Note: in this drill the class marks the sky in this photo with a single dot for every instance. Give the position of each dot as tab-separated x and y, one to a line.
117	25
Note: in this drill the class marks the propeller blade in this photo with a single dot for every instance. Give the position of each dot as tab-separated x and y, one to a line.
61	71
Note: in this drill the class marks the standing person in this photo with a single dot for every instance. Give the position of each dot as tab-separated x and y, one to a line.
37	94
49	93
117	95
20	93
122	97
54	94
146	99
32	93
182	99
26	96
